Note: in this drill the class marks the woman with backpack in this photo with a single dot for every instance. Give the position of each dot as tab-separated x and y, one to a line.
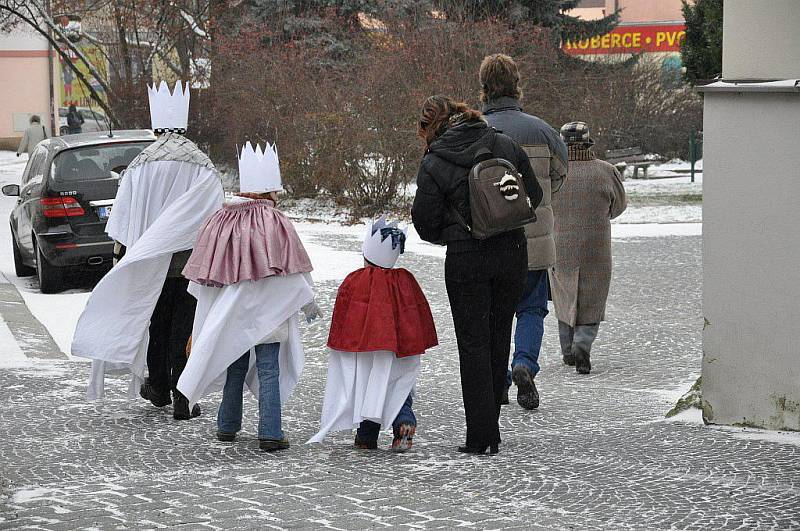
484	277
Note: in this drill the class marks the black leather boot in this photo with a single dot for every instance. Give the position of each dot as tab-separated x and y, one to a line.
156	397
180	407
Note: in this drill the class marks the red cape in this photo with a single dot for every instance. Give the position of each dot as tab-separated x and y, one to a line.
382	309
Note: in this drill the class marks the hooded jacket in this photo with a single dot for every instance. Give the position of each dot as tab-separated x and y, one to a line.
442	184
548	156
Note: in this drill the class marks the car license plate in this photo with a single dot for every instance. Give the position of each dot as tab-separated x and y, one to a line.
103	212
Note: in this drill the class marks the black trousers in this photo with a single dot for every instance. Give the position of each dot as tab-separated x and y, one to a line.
170	328
484	288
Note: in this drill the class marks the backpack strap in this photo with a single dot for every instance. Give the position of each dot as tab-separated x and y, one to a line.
482	154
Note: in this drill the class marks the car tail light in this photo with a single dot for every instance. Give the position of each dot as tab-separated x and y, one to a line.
60	207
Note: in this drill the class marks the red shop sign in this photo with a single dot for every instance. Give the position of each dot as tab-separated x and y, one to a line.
630	39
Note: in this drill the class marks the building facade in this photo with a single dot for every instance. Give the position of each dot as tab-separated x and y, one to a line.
28	84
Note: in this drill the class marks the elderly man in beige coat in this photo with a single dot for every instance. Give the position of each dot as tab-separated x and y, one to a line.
34	134
591	197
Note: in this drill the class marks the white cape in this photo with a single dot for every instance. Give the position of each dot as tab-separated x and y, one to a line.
365	386
158	211
231	320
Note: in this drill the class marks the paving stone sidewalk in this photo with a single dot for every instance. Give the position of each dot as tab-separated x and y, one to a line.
596	455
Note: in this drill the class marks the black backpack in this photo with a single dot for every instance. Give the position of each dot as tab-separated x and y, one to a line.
498	199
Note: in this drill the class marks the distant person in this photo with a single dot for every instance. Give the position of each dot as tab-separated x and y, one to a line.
34	134
74	121
591	197
501	95
68	76
484	278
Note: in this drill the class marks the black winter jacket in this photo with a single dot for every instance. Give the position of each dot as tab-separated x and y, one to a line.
442	184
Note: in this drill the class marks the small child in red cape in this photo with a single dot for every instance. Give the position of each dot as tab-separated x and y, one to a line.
381	325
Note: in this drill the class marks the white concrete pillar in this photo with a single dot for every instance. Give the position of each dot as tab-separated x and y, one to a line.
751	221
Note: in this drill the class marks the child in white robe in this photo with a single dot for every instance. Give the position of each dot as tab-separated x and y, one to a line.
381	325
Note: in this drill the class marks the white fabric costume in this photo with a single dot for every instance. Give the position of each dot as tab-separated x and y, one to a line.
159	209
365	386
371	384
232	320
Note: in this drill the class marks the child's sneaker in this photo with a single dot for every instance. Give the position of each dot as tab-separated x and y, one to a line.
362	444
271	445
403	437
225	436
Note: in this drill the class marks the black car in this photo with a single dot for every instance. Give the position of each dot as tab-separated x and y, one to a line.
65	197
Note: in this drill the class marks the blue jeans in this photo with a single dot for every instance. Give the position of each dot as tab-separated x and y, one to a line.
229	418
530	323
369	431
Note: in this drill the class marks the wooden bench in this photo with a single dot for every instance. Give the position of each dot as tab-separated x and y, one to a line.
634	156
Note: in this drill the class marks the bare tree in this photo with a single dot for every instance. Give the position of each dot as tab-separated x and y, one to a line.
131	35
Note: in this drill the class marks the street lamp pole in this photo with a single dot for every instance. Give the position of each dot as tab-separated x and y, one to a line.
50	66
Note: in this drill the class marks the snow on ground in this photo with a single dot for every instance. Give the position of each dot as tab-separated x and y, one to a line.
674	187
672	168
661	214
694	415
58	313
10	353
666	180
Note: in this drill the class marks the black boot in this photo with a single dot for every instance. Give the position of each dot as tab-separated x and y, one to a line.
585	335
364	444
504	399
565	335
180	408
582	363
272	445
527	394
156	397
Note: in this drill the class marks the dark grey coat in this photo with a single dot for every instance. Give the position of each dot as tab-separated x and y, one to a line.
548	157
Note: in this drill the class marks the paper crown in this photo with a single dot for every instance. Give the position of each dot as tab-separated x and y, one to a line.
384	243
259	169
169	111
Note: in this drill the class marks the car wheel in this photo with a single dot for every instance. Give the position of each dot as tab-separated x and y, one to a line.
50	276
63	131
19	267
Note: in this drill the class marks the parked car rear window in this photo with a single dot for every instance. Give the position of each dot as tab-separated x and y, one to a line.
94	162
